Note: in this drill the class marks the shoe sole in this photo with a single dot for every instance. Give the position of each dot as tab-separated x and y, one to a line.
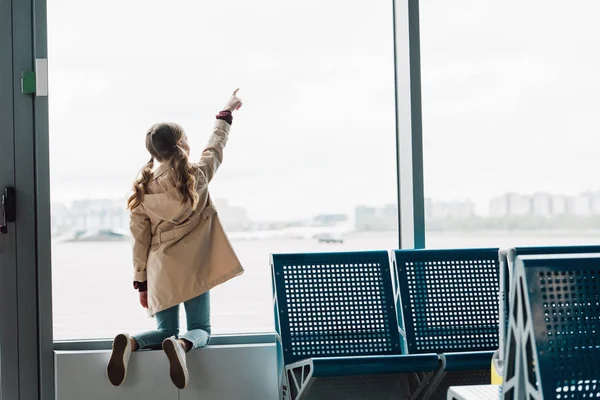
116	370
176	369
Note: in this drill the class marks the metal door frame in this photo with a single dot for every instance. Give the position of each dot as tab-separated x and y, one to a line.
9	357
26	353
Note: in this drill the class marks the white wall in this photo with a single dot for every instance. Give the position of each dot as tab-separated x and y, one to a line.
216	372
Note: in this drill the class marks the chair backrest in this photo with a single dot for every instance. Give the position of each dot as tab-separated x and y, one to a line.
334	305
542	250
449	299
554	333
507	259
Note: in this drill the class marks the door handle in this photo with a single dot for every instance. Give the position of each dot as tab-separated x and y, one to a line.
8	210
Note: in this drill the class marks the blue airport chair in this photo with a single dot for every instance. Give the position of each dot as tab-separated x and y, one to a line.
507	257
338	334
553	347
449	303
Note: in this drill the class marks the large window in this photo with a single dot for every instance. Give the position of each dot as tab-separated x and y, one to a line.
510	122
311	162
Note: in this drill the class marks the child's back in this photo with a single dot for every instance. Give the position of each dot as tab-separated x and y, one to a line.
189	253
180	250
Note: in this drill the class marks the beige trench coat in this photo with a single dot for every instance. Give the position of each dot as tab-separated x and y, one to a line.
180	252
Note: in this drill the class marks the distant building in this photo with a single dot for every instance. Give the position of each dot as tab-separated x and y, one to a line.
499	207
329	219
95	214
510	205
580	206
365	212
559	205
545	205
428	209
112	215
376	219
445	210
365	218
519	205
541	204
233	218
595	206
60	219
390	211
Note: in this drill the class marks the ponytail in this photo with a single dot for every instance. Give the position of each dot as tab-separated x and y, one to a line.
140	186
185	178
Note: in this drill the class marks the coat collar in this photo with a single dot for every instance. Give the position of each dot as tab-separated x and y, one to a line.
161	170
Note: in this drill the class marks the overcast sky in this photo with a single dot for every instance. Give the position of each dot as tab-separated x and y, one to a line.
510	97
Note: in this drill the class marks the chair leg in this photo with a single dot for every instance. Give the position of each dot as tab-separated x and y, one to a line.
299	377
437	378
422	385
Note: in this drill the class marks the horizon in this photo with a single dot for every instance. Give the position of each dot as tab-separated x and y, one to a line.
351	213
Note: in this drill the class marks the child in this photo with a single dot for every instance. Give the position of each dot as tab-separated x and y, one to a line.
180	250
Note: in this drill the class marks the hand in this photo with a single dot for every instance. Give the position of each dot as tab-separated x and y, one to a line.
234	102
144	298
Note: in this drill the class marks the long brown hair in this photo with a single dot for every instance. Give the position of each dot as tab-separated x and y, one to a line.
163	144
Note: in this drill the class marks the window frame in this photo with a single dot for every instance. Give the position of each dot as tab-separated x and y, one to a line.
409	166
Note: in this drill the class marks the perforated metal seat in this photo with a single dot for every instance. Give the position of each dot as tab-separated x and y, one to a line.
449	299
507	257
337	305
335	316
449	302
554	325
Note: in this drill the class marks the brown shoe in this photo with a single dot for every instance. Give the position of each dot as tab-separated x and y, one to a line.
177	365
116	369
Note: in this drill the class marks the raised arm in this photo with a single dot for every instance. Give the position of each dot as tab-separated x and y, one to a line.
212	155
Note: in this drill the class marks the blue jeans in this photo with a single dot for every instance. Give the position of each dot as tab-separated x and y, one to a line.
197	311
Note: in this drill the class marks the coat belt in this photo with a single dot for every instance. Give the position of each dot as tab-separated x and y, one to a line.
180	232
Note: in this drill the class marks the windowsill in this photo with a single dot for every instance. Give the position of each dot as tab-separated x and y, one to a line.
216	340
216	372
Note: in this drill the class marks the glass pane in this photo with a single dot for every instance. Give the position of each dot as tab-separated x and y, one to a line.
313	143
510	122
